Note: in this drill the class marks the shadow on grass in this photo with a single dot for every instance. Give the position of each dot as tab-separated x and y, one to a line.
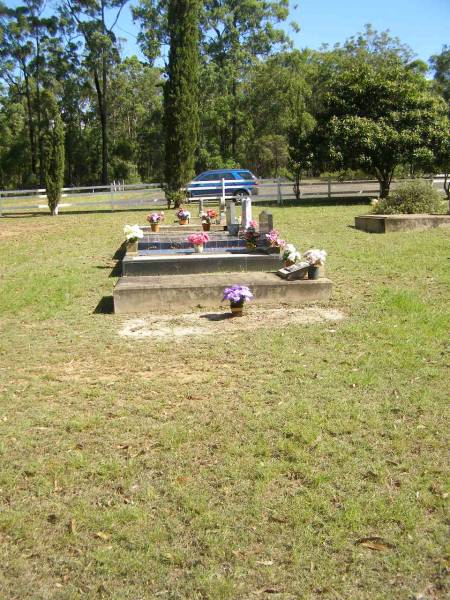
217	316
99	211
116	270
105	306
321	201
120	252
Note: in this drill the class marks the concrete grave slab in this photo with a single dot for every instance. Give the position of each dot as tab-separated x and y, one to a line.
175	293
391	223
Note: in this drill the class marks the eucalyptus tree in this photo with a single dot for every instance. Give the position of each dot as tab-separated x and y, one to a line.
27	39
235	34
94	21
440	64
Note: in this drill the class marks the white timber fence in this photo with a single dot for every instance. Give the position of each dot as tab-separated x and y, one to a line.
121	196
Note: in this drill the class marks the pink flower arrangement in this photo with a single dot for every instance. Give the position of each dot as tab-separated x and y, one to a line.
251	234
209	216
198	239
274	239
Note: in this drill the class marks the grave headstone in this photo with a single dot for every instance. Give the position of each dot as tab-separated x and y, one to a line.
246	212
265	222
231	217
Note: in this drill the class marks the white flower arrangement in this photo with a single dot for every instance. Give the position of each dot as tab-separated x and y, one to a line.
133	233
315	257
290	252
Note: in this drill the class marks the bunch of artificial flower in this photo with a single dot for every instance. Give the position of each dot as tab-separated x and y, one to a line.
183	214
133	233
208	216
315	257
251	235
274	239
290	253
156	217
237	293
198	239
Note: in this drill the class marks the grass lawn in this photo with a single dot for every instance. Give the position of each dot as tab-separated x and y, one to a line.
251	466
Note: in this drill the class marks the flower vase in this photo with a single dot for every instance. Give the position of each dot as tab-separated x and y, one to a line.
289	263
237	308
183	221
250	245
132	247
313	272
198	248
206	226
155	227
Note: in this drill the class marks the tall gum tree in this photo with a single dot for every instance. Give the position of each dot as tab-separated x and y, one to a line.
27	40
235	35
95	21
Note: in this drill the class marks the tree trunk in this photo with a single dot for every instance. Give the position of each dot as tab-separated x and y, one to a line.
31	131
103	122
384	178
234	125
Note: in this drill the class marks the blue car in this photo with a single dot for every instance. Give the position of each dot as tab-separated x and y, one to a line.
238	183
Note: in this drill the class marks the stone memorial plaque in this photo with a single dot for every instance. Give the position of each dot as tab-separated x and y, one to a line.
298	271
246	212
265	222
231	212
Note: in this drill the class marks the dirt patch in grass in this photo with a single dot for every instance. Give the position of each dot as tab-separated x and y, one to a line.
173	327
29	228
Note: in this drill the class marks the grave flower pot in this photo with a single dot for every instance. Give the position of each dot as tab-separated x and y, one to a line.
313	272
289	263
132	247
206	226
155	227
183	221
198	248
237	308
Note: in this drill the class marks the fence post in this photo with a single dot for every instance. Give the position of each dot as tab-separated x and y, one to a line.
222	199
200	206
112	197
329	187
279	191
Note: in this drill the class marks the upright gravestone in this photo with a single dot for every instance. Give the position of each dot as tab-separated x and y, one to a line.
232	220
265	222
246	212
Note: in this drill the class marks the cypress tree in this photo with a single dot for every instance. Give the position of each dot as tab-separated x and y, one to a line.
53	145
181	117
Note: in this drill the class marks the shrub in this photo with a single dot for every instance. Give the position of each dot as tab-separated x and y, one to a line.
413	197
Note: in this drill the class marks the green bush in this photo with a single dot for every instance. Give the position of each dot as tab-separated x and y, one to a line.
413	197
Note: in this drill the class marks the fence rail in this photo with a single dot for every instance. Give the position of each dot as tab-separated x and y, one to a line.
120	196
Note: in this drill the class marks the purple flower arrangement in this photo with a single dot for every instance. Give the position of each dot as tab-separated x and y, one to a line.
237	294
155	217
183	214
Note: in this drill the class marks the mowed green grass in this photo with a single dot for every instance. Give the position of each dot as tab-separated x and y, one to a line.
212	468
